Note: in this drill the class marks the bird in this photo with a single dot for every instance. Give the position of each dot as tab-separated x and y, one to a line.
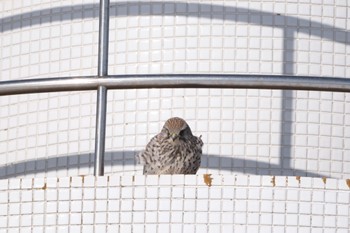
175	150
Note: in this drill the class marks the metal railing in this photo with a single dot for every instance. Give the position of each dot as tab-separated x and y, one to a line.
280	82
102	82
102	71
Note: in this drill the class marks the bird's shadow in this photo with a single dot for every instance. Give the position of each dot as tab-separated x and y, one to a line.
125	161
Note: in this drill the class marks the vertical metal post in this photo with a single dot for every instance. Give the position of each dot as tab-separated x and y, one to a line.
102	90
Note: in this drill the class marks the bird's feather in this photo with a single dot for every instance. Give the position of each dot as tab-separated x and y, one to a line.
165	156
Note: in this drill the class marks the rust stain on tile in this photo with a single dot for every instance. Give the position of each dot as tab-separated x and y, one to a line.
44	187
324	179
207	179
298	178
273	181
82	178
348	182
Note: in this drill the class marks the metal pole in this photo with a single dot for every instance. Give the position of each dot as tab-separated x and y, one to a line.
82	83
102	90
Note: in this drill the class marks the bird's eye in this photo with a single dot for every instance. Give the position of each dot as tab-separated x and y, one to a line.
182	133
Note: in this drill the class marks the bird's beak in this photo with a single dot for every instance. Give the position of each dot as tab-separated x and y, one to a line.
174	136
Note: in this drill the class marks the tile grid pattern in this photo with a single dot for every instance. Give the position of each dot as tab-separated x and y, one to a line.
175	204
243	129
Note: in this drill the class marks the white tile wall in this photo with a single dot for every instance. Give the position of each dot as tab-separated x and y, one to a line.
175	204
259	132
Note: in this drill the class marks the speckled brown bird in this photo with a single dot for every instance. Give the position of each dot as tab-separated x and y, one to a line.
173	151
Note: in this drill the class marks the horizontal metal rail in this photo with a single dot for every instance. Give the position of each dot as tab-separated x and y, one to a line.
175	81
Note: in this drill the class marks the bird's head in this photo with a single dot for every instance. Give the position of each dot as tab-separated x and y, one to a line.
176	129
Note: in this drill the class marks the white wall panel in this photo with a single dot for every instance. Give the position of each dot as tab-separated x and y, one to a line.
175	204
259	132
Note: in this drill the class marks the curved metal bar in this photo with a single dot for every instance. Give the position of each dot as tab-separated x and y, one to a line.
175	81
28	86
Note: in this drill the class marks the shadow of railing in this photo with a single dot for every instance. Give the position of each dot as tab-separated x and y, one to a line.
155	8
127	158
290	25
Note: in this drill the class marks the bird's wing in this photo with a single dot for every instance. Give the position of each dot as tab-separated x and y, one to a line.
199	143
150	156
